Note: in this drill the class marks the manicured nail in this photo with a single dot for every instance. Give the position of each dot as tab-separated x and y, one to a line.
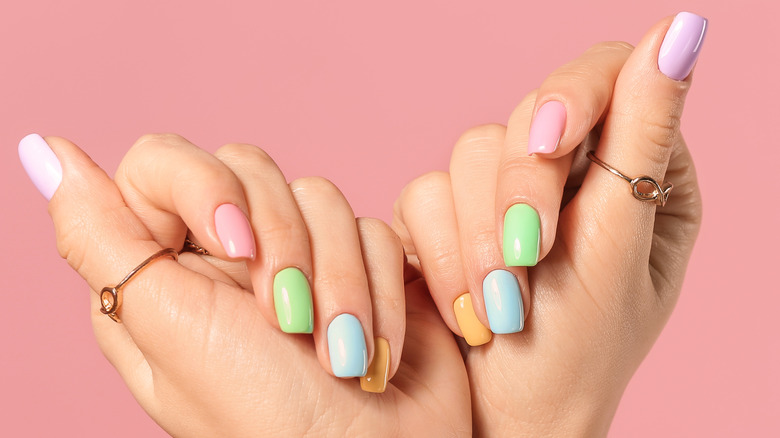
521	236
41	165
292	300
375	379
503	302
473	330
234	231
547	128
347	347
682	45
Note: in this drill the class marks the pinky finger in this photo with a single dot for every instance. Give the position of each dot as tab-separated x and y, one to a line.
383	260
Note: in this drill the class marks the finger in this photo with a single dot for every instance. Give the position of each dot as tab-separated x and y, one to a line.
502	295
102	240
425	220
172	184
282	270
574	98
640	133
343	329
383	259
530	188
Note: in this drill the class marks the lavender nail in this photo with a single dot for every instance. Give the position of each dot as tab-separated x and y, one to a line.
41	164
682	45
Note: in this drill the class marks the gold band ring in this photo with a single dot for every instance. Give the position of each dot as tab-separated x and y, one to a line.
659	193
111	297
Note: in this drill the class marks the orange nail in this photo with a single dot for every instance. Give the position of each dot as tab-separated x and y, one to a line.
473	330
375	379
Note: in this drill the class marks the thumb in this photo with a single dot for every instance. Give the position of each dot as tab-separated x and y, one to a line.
103	241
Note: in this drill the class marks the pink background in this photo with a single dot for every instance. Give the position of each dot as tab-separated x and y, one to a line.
371	96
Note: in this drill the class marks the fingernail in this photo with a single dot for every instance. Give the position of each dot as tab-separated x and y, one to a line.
547	128
292	300
473	330
347	347
521	236
375	379
503	302
41	165
682	45
234	231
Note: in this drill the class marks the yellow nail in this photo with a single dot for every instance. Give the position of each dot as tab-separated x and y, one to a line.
375	379
473	330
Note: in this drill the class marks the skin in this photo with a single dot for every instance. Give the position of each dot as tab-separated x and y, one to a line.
202	352
602	292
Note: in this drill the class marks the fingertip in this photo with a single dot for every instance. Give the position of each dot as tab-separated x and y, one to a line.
41	164
682	45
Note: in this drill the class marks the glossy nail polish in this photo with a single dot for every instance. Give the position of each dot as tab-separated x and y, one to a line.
41	165
375	379
234	231
522	234
503	302
292	301
682	45
547	128
347	347
473	331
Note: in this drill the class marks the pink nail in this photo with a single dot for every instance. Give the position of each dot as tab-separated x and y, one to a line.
682	45
547	128
234	232
41	165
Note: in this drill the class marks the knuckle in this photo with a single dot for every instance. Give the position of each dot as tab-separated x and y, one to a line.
480	133
243	152
424	186
381	233
621	47
156	140
317	186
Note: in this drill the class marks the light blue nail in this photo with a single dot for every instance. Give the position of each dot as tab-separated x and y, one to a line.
347	347
503	302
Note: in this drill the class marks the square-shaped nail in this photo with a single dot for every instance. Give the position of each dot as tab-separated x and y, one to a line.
375	379
41	165
682	45
292	301
503	302
522	234
347	347
473	331
547	128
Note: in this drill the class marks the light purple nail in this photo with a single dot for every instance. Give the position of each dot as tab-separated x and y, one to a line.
682	45
41	164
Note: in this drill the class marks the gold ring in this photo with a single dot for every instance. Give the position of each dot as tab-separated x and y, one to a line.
659	193
111	297
190	246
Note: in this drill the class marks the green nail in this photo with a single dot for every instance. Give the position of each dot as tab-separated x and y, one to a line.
292	300
521	236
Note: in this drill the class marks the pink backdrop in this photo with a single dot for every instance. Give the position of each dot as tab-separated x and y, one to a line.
371	96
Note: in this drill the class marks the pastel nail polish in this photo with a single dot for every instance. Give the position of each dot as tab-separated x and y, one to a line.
375	379
234	231
473	331
547	128
347	347
522	233
503	302
682	45
292	301
41	165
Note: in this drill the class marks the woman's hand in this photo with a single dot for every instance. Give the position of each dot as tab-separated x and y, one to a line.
202	344
553	253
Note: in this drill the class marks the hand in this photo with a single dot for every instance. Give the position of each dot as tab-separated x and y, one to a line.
200	344
557	247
